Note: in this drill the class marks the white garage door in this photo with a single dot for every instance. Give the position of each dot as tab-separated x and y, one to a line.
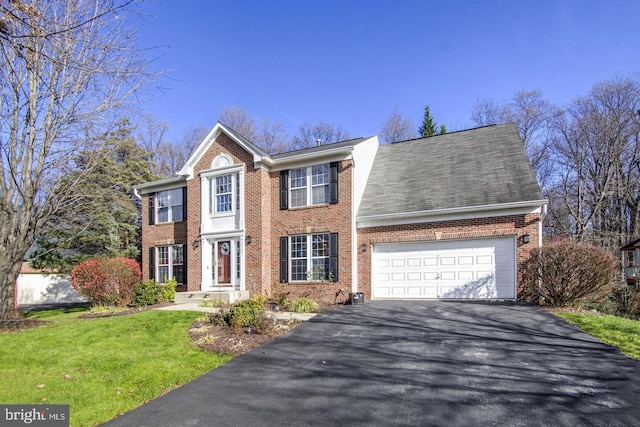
475	268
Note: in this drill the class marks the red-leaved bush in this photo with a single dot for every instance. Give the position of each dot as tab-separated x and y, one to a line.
565	273
107	281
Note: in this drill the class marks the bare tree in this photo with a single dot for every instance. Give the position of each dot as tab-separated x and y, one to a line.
397	128
65	67
168	155
596	154
318	134
240	121
273	137
532	114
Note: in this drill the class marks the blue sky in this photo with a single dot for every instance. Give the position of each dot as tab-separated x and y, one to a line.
352	62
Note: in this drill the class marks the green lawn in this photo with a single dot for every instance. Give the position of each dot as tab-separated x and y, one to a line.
618	331
100	367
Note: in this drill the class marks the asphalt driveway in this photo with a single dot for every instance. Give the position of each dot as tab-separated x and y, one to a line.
411	363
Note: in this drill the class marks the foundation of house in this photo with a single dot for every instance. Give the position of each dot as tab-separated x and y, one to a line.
200	297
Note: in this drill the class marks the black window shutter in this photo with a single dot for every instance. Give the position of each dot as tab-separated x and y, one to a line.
284	259
333	256
152	208
184	263
152	263
284	190
333	182
184	206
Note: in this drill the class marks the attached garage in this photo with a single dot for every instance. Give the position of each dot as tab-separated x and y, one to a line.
462	269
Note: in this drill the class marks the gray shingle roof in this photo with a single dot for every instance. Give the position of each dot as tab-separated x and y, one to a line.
476	167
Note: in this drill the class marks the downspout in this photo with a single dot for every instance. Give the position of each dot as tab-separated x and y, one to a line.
354	231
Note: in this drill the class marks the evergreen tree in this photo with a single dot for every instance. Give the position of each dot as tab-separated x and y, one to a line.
104	218
429	127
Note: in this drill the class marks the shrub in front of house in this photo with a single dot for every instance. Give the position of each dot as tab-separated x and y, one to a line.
245	313
303	305
565	273
107	281
147	293
168	290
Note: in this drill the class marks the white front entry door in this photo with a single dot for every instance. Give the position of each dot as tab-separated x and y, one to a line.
467	269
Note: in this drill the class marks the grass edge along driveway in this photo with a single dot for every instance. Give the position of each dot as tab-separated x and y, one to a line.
101	367
617	331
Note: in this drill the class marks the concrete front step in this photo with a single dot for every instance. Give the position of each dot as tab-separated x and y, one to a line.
227	296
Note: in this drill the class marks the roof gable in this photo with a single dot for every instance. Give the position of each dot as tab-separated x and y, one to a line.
457	171
257	153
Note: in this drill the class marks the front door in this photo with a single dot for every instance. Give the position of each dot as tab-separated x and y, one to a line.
223	267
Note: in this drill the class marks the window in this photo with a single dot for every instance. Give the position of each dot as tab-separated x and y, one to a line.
169	205
310	186
311	257
221	193
315	185
170	263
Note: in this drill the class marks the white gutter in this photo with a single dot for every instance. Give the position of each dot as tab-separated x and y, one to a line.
160	183
402	216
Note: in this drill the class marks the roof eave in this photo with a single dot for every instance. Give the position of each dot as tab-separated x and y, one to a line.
452	213
145	187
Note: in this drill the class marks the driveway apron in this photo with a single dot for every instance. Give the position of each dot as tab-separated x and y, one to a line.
410	363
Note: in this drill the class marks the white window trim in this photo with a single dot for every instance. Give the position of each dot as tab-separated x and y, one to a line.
208	190
170	264
170	211
309	186
309	256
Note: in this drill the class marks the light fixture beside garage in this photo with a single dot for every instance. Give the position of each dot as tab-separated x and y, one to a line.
526	238
363	248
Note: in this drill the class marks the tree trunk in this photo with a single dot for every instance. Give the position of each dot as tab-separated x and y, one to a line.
9	271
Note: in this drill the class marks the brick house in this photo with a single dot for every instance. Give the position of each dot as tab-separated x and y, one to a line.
450	216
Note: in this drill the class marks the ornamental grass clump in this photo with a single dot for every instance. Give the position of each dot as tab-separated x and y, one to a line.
303	305
107	281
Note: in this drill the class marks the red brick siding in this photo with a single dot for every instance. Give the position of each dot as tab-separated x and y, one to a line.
252	177
315	219
511	225
172	233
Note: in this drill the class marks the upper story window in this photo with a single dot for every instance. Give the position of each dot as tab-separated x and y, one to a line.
223	190
167	206
309	186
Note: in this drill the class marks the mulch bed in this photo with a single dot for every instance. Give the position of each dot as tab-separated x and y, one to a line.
224	340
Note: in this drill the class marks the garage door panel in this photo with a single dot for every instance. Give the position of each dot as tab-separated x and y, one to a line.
413	262
396	262
382	263
413	277
447	260
465	275
447	275
465	260
480	268
397	277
